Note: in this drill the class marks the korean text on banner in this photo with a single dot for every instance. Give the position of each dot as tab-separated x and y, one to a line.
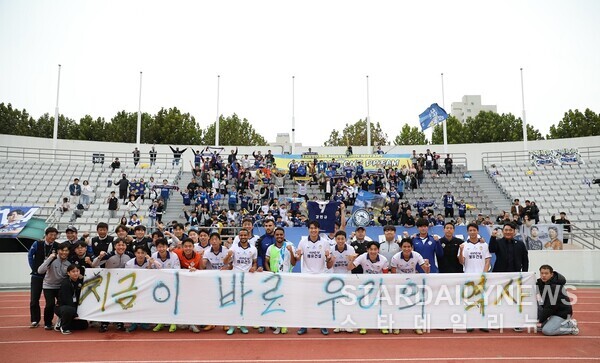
433	301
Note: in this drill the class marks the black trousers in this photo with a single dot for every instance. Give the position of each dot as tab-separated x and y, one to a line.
50	295
34	300
449	212
67	316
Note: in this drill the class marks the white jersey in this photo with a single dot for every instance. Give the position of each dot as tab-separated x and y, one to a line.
475	255
340	266
371	267
133	264
251	240
198	247
214	261
170	262
243	257
281	256
407	267
313	255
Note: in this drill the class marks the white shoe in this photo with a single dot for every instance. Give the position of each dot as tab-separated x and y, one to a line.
336	330
277	331
575	327
349	330
194	329
57	325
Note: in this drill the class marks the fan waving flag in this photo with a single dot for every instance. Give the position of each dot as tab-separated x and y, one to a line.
432	116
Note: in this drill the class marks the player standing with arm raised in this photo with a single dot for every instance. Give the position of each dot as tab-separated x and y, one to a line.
243	258
315	257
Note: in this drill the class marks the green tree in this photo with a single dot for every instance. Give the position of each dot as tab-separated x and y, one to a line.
489	126
90	129
356	135
14	121
122	127
44	127
410	136
454	131
576	124
233	131
170	126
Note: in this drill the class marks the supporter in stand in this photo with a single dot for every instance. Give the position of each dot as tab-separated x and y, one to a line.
177	155
566	225
116	164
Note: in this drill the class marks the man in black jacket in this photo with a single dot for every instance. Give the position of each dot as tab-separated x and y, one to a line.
555	312
177	155
123	187
511	254
38	253
449	262
567	225
68	300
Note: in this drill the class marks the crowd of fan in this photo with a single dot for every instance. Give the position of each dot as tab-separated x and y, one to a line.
224	192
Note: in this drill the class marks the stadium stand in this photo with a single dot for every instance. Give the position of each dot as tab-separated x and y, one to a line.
555	189
46	183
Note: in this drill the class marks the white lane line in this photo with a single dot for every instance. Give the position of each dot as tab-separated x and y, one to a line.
230	339
404	359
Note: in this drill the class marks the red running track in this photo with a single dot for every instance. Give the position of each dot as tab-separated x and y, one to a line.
18	343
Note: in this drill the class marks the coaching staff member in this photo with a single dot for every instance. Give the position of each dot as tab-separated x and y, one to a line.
511	255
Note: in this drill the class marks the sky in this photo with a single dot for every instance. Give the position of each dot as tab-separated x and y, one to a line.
330	47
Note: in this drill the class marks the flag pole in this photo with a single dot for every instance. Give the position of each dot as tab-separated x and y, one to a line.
138	134
55	131
445	121
524	118
217	120
293	114
368	119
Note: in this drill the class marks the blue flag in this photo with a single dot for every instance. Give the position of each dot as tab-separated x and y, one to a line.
432	116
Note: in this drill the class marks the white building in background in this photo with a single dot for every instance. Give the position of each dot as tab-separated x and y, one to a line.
470	107
283	141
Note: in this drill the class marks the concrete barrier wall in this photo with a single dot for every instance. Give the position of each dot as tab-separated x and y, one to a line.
473	152
581	266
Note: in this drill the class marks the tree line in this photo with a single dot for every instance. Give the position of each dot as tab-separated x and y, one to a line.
167	126
486	127
172	126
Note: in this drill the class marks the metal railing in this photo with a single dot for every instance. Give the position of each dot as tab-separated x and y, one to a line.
522	157
100	157
457	158
588	237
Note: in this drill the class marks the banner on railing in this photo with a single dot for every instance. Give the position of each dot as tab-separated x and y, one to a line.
434	301
368	161
555	157
14	218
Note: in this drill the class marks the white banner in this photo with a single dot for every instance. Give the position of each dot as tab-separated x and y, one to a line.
433	301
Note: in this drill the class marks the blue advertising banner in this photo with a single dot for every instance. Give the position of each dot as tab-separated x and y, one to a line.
14	218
